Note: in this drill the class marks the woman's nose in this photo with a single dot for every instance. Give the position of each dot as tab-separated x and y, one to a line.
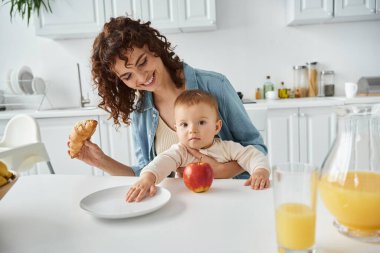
141	77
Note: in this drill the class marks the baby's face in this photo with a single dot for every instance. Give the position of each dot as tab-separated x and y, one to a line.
196	125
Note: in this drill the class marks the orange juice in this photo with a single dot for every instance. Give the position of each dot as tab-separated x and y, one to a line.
295	226
355	202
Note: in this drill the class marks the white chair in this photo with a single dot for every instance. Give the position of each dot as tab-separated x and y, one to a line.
21	147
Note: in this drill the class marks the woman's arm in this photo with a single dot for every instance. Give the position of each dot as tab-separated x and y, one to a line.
221	170
237	124
94	156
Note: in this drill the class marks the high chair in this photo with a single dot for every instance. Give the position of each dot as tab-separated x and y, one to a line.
21	147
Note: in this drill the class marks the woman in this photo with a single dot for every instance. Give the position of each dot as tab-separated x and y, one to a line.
138	77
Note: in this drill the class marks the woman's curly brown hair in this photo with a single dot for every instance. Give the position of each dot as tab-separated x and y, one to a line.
119	35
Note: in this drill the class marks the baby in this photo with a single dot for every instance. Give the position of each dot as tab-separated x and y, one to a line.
197	122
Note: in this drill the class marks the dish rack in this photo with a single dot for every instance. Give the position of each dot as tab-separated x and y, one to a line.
24	102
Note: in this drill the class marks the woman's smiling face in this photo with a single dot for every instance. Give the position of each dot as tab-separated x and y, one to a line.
144	71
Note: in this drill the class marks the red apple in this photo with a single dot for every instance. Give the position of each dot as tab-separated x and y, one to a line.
198	176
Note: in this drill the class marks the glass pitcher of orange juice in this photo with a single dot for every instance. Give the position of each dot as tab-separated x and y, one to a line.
350	180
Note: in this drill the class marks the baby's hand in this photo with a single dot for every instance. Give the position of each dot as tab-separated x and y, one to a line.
143	187
259	179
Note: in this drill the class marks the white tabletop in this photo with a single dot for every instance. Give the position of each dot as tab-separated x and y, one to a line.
42	214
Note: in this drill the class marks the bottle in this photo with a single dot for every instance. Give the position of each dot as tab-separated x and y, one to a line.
313	78
282	91
268	86
258	93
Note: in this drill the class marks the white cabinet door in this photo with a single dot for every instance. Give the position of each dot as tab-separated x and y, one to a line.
180	15
71	19
317	133
258	118
308	11
115	8
351	8
55	133
322	11
117	143
197	14
300	134
162	13
283	135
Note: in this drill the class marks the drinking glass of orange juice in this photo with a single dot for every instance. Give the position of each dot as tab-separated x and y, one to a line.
295	186
350	180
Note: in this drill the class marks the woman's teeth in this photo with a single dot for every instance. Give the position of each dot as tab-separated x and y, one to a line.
150	80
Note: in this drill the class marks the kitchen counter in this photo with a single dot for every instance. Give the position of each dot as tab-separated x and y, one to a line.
259	105
309	102
54	113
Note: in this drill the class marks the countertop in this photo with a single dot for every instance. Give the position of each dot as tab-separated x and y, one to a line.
309	102
54	113
42	214
259	105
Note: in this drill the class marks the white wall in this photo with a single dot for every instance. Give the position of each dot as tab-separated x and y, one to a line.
252	41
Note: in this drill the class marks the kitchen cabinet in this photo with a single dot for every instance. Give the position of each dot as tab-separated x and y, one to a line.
55	133
300	12
180	15
117	143
300	134
71	19
258	117
356	10
84	19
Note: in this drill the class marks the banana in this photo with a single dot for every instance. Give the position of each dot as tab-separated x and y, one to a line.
3	181
4	172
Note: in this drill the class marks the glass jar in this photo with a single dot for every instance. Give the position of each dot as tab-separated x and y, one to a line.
349	184
327	83
312	78
300	80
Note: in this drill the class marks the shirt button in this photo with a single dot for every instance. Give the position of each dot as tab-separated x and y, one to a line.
154	115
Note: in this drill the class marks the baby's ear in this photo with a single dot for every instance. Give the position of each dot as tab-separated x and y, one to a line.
218	126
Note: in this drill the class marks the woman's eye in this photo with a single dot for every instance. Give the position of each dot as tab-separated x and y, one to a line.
143	62
128	77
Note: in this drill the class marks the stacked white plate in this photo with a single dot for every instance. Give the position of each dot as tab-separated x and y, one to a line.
22	81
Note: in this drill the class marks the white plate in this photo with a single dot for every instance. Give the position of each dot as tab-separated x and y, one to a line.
38	85
110	203
25	78
14	83
9	82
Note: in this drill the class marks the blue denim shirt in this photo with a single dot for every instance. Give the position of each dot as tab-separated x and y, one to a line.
236	125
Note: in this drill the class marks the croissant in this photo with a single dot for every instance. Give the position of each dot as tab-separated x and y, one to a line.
83	130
